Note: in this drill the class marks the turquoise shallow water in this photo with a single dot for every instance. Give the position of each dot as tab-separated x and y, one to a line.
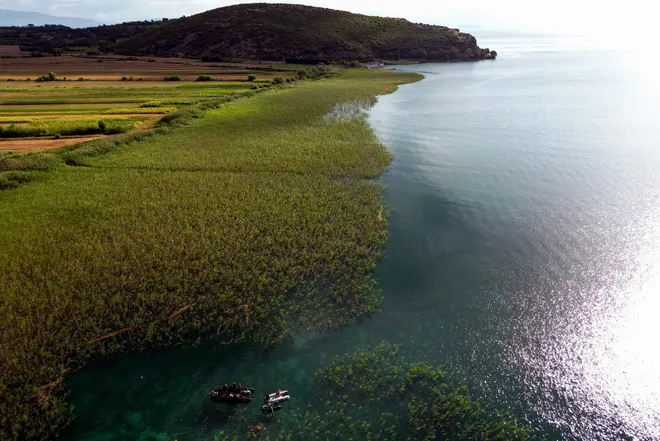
524	256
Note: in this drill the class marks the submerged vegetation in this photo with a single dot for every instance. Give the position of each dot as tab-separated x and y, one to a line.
241	219
375	394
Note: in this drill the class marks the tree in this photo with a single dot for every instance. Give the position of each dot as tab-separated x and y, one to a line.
252	77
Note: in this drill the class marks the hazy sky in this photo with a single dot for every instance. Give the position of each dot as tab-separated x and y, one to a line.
593	16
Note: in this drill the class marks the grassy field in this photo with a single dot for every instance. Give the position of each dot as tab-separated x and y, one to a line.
251	220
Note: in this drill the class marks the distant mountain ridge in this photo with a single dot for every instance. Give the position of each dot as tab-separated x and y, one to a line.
266	31
24	18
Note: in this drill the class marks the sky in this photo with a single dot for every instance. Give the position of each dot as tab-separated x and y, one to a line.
596	17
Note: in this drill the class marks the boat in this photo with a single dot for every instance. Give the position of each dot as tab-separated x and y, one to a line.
279	393
231	394
278	400
277	397
270	408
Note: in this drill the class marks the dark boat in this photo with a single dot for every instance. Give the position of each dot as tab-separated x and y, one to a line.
270	408
232	394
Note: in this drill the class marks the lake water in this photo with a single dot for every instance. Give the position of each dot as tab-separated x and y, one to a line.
524	256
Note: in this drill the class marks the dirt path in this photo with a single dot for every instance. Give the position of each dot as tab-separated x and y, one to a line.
35	145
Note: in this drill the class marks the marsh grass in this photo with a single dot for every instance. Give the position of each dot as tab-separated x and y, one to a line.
352	110
245	219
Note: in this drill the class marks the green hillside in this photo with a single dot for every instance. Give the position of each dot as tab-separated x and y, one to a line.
277	31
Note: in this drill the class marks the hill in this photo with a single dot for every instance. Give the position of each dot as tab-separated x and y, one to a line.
280	31
24	18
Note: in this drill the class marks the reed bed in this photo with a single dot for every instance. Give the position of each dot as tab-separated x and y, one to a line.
248	223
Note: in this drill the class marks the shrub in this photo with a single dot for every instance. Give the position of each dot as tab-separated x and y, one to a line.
278	80
13	179
50	76
124	78
152	104
204	78
102	126
252	77
81	79
302	74
172	78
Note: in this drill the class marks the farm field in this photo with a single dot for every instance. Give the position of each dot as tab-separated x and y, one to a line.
248	222
114	67
41	115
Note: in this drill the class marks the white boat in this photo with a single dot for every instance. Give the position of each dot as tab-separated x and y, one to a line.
278	397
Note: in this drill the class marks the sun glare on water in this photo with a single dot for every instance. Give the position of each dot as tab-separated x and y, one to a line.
624	369
614	377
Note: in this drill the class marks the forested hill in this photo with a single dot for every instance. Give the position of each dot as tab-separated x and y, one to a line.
278	31
58	39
